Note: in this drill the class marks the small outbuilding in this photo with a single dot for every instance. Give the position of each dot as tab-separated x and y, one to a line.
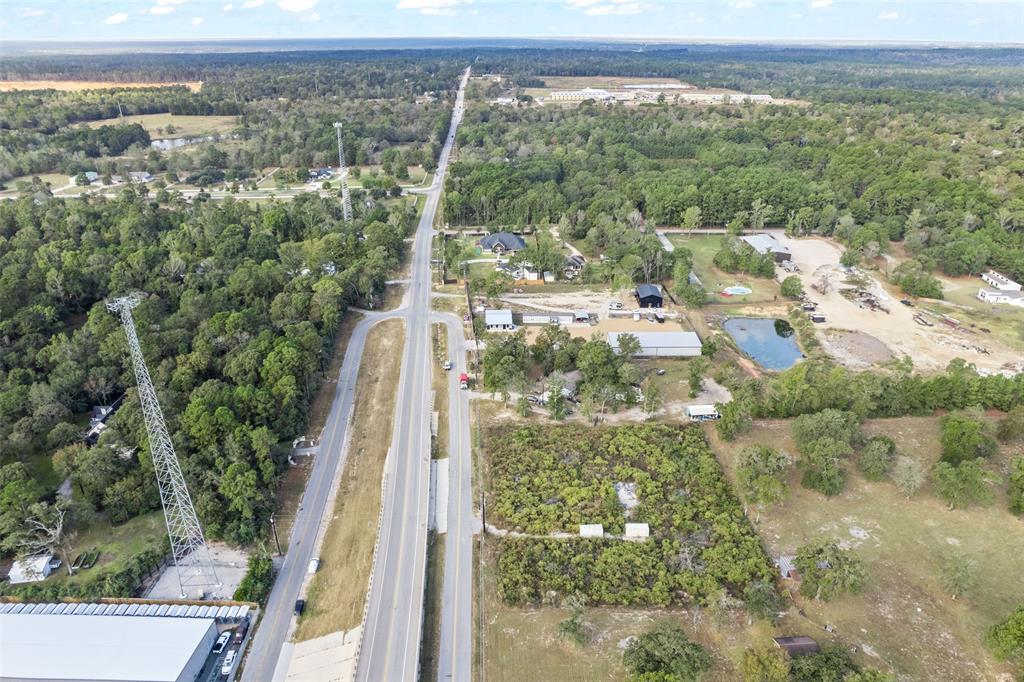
800	645
702	413
638	530
499	320
32	569
649	296
766	244
591	530
502	242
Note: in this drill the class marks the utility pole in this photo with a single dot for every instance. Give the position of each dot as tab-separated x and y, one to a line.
188	546
346	200
273	526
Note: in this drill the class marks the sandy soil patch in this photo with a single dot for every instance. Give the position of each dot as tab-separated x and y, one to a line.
76	86
932	348
855	349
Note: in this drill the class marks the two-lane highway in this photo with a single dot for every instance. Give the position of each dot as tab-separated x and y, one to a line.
391	635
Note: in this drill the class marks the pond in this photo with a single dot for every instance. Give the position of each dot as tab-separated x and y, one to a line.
772	343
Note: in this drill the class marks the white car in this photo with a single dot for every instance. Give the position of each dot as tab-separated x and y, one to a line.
314	564
447	365
229	663
222	642
614	305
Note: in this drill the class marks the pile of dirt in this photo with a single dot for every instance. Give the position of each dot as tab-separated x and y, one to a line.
855	349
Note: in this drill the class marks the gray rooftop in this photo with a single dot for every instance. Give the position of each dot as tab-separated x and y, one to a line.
765	243
508	241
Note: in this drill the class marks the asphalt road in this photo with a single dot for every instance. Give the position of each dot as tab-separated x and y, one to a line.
391	638
391	635
455	660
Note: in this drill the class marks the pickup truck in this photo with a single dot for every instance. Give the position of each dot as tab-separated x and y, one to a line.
463	380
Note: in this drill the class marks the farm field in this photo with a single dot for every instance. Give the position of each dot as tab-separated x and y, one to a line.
903	612
76	86
183	126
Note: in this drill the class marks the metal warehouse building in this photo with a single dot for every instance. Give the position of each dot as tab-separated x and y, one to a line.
95	648
662	344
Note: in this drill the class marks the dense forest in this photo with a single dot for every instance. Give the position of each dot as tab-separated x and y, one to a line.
285	111
943	173
241	305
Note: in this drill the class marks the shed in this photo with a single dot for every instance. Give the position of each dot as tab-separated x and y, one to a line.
591	530
638	530
498	320
766	244
649	295
502	242
581	316
800	645
702	413
787	566
30	569
662	344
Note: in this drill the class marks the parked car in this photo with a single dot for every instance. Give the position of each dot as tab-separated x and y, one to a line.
240	632
300	606
906	302
615	305
447	365
222	642
229	663
314	565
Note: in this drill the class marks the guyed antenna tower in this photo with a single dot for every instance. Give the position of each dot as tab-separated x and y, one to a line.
188	546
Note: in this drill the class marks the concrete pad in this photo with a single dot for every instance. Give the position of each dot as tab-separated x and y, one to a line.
330	658
229	563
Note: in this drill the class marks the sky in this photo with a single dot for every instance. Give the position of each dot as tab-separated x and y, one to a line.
967	21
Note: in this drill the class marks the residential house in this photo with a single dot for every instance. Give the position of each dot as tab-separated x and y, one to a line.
649	296
502	242
498	320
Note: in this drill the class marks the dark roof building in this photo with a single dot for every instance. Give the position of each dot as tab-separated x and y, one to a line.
649	296
801	645
502	242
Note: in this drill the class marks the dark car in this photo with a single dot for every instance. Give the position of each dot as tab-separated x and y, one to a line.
300	606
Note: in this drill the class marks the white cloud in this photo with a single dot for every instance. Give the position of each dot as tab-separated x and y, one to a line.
312	17
577	4
296	5
161	9
436	8
227	8
741	4
617	8
118	18
249	4
975	21
796	15
170	2
197	20
889	16
820	4
33	12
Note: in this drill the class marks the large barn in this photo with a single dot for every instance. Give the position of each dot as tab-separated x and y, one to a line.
662	344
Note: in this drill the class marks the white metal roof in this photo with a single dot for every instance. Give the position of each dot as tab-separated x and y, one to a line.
701	410
52	647
765	243
497	317
659	339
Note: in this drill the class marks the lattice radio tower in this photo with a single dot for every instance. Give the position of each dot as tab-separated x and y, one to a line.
346	200
191	555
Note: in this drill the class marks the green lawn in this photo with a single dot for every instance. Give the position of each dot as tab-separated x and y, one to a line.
116	543
704	248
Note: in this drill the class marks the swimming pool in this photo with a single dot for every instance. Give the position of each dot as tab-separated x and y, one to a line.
737	290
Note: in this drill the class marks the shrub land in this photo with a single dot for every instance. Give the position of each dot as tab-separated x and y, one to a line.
550	480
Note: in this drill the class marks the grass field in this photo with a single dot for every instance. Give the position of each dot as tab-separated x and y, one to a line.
76	86
704	248
115	543
903	617
338	591
1006	322
183	126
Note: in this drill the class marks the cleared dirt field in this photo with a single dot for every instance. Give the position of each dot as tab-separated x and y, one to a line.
76	86
183	126
338	591
931	348
903	618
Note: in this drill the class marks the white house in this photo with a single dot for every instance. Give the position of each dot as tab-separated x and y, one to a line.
1000	281
31	569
